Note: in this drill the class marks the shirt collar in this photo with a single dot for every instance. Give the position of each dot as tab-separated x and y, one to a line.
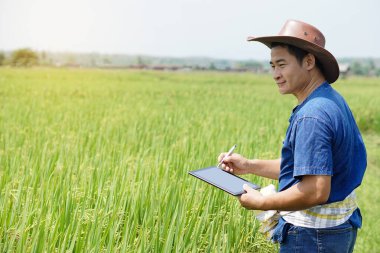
315	92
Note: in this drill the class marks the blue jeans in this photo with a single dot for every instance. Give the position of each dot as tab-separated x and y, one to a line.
339	239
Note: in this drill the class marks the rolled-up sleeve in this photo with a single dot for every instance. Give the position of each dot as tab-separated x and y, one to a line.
312	147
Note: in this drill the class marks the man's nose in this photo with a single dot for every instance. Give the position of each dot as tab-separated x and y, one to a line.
276	73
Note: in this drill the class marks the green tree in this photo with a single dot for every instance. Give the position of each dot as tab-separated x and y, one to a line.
43	58
212	66
24	58
2	58
358	69
140	60
377	72
106	61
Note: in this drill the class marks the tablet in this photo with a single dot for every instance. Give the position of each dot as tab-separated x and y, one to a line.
223	180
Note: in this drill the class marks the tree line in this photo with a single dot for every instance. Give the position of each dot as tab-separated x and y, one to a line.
26	57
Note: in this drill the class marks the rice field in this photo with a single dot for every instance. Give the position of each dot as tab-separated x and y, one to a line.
97	160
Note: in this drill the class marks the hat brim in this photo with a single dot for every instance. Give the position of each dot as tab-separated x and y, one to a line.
327	60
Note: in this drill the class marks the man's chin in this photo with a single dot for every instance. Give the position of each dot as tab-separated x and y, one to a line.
283	91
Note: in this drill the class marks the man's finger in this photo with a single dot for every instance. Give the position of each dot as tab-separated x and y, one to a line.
227	159
247	188
220	157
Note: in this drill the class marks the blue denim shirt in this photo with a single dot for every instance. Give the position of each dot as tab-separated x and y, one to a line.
323	139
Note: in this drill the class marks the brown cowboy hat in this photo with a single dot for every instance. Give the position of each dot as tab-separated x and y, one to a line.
308	38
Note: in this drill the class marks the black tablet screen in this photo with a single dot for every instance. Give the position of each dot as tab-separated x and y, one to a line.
223	180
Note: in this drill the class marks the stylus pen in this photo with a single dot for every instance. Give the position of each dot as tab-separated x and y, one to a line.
228	154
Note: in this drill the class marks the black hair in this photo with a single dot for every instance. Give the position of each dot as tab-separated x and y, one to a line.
299	53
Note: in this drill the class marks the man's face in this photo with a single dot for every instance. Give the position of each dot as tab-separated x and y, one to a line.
290	76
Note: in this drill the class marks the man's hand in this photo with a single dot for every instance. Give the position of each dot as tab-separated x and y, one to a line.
235	163
252	199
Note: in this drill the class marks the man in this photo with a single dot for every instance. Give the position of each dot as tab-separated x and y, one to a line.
323	158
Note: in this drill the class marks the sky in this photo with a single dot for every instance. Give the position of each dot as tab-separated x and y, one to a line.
184	28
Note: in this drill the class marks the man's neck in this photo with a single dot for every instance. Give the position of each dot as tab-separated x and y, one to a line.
309	88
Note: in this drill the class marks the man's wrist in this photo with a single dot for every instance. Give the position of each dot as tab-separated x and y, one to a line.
265	203
253	165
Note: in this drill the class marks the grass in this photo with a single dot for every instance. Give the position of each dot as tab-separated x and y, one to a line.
369	198
97	160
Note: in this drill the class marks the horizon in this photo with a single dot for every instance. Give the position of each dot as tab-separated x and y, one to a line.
173	57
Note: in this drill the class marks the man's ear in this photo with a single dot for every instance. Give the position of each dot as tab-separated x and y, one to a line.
309	61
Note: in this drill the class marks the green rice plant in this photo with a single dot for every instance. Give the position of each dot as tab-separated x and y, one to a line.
97	160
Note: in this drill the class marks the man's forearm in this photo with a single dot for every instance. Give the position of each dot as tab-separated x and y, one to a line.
266	168
311	191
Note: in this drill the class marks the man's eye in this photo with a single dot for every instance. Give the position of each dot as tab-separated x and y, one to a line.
282	65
